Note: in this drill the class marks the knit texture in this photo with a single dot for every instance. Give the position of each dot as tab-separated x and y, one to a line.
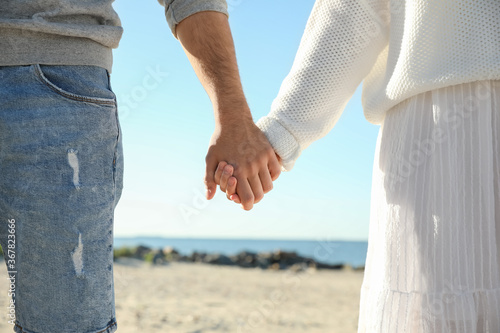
398	49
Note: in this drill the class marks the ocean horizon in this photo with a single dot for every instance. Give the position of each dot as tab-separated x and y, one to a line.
345	252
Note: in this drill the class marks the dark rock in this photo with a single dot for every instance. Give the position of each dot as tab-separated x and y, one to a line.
141	251
184	259
283	255
262	263
265	255
287	259
158	257
245	259
263	260
197	256
218	259
328	266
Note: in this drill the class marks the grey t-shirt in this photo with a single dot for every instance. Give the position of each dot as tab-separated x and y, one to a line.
74	32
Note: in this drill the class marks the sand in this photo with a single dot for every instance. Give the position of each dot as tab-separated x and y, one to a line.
195	298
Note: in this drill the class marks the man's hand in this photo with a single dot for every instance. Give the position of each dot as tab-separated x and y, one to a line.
224	178
241	150
207	41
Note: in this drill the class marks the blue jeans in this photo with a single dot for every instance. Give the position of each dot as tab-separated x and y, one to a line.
61	176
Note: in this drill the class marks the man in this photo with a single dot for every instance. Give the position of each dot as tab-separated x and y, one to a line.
61	161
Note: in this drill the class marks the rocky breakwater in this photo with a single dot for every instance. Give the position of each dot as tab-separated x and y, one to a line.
277	260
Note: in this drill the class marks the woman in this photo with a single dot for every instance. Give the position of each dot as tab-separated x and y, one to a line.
430	73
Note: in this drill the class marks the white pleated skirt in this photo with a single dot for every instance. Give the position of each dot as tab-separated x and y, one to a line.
433	262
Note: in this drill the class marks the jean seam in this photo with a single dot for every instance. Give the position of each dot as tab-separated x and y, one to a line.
108	327
116	152
99	101
114	323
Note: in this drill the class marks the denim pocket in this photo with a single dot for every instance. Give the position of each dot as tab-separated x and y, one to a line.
79	83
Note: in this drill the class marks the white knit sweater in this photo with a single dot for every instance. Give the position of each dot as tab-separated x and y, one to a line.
397	48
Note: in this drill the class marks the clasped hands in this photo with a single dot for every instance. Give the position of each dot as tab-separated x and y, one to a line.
242	162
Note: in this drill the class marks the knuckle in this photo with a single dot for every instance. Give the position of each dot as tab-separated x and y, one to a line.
262	154
228	169
268	188
278	168
239	173
248	199
253	169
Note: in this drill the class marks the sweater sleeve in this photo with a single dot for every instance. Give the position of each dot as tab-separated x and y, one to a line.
178	10
340	45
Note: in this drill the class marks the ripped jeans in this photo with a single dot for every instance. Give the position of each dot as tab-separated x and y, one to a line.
61	176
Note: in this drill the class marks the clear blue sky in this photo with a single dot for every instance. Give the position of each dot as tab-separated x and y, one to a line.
167	123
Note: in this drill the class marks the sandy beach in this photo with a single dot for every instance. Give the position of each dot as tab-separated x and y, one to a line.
196	298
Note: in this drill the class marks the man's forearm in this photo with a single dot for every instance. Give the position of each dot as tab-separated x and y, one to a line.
208	43
206	38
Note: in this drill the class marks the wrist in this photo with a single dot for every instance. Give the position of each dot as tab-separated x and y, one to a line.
233	114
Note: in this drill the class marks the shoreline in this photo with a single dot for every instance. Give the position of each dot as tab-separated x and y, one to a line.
275	260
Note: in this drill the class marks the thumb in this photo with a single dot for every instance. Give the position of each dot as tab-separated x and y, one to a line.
210	185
